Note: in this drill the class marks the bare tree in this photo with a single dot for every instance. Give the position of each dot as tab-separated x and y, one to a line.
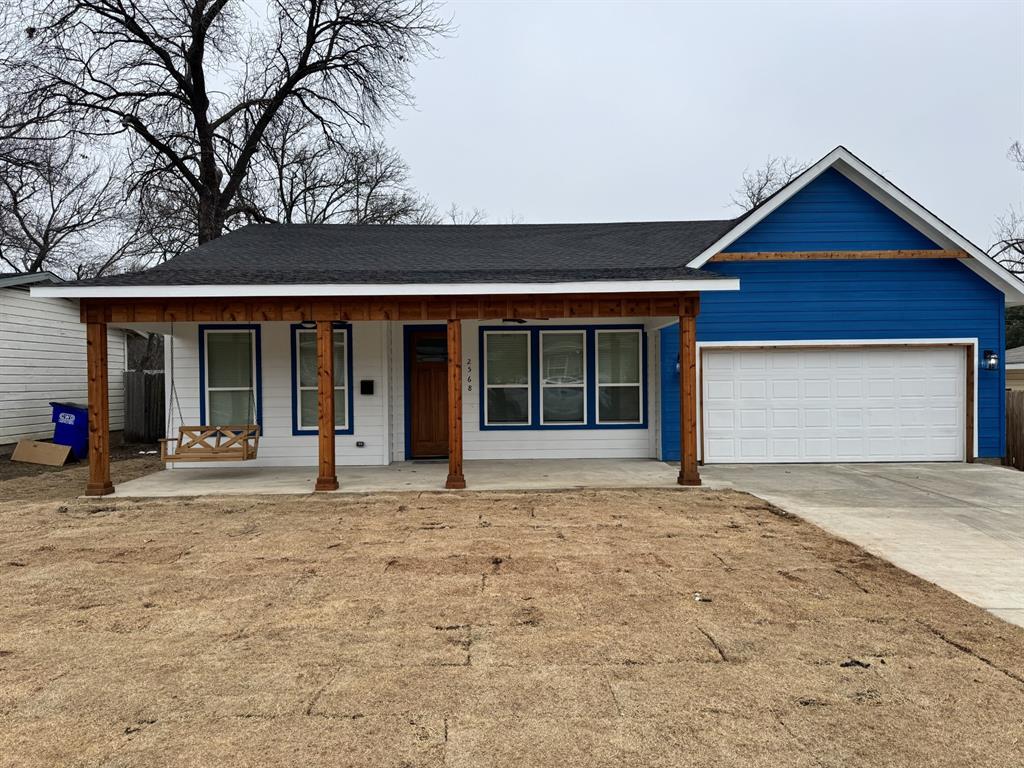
194	85
1008	248
763	182
301	175
61	210
458	215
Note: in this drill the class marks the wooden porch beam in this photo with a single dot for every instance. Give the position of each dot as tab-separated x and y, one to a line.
327	478
455	477
99	411
836	255
688	471
356	308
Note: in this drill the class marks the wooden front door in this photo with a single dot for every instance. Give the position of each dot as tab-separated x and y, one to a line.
428	394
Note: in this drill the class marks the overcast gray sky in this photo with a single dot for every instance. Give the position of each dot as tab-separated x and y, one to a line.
588	111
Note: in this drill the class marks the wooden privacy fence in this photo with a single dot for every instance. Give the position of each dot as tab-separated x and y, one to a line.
1014	429
143	406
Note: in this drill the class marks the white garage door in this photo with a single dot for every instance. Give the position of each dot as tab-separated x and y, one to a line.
842	404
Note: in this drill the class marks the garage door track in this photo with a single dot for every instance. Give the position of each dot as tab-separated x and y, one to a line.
960	526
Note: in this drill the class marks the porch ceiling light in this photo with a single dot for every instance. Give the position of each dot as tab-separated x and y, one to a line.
990	360
307	324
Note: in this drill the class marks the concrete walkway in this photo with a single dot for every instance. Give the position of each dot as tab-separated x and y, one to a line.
505	475
960	526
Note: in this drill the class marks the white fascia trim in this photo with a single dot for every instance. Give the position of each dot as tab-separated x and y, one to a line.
383	289
1015	366
971	342
767	209
893	198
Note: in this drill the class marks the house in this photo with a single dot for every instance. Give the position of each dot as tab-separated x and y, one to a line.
42	359
838	321
1015	368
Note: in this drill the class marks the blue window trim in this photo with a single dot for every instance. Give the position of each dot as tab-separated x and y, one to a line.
203	329
591	368
407	331
293	333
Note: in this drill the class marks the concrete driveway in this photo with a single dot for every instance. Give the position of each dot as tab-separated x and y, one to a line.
960	526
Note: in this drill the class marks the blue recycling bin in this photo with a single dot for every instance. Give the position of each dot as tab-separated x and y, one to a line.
71	427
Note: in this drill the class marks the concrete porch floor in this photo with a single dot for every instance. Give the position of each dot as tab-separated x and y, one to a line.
481	475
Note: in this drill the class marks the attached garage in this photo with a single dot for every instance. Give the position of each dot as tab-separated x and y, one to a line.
835	404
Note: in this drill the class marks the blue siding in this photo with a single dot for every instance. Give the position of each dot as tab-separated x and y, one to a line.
832	214
856	299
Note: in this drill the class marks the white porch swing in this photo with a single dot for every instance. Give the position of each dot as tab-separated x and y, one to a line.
207	442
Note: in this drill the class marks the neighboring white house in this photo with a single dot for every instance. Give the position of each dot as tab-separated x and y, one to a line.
42	359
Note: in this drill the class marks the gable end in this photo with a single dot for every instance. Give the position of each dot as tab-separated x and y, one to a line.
831	213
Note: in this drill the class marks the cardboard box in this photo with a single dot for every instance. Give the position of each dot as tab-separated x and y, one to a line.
37	452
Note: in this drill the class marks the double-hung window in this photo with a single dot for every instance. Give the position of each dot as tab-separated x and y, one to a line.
619	376
307	409
563	377
507	400
230	380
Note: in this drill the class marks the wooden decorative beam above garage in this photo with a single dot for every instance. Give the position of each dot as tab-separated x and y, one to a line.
526	307
829	255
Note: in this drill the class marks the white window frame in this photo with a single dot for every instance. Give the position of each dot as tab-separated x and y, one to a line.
251	389
528	385
299	388
597	375
584	386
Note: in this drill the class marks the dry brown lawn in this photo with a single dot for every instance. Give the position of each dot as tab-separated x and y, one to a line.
481	629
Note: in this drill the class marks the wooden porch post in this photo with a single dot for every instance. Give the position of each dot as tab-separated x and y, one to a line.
688	472
455	477
99	411
327	478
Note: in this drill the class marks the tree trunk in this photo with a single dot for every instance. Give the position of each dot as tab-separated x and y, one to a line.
211	218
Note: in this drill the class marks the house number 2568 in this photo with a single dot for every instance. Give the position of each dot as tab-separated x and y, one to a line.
469	374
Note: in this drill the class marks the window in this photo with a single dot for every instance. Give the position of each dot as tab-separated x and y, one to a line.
619	376
304	378
563	378
507	382
229	378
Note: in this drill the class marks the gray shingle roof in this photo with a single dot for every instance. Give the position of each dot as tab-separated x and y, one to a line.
262	254
1015	356
12	279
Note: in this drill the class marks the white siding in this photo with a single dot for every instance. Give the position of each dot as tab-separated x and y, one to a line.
278	446
42	358
523	444
378	350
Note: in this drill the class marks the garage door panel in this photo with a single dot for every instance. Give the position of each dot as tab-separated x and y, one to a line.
841	404
785	418
719	390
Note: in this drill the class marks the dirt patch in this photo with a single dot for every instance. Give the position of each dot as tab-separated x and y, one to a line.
35	482
592	628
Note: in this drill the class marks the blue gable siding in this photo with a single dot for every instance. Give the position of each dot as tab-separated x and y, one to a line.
855	299
832	214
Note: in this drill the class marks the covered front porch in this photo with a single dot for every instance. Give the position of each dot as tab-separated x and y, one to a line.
356	358
487	475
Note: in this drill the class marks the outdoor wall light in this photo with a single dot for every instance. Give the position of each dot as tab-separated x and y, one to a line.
677	363
989	360
307	325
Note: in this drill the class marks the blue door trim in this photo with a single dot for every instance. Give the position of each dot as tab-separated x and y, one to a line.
408	330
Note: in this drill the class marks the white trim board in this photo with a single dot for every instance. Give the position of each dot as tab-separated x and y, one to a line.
970	342
893	198
384	289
